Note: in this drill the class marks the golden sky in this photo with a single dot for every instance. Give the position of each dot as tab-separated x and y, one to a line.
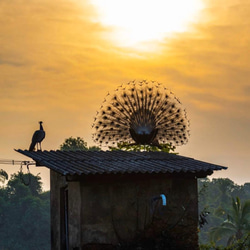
59	59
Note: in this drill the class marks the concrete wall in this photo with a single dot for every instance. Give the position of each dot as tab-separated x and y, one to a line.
118	209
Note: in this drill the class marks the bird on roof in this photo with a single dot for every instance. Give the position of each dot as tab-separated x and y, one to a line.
37	138
141	113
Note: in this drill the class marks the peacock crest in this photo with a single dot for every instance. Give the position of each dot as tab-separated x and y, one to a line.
141	113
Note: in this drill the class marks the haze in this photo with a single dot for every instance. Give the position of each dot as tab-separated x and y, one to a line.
58	61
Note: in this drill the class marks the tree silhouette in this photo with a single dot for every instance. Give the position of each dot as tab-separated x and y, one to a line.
73	144
24	214
3	175
236	225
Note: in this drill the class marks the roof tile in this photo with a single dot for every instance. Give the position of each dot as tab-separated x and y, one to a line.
107	162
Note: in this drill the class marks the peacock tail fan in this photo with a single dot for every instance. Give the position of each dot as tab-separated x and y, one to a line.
141	113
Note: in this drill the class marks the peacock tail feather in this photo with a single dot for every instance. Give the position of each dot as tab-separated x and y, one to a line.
142	112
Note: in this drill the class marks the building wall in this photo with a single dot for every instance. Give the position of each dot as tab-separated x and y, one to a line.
57	183
118	209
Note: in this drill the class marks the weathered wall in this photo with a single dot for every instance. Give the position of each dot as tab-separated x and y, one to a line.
56	183
74	214
117	209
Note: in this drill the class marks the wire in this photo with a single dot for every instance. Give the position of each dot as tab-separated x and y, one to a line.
15	162
21	164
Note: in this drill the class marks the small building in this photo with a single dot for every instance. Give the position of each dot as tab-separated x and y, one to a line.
123	200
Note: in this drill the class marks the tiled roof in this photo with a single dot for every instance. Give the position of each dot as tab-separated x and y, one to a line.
114	162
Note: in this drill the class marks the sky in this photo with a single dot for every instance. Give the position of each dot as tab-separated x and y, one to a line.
59	59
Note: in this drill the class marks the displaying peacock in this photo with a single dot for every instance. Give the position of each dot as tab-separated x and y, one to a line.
141	113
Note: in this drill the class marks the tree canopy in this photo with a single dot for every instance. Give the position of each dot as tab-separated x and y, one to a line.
76	143
24	214
227	206
3	175
168	147
237	223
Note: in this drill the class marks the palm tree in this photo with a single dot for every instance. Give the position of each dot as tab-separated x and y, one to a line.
236	225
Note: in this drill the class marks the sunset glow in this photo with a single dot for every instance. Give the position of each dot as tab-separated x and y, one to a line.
136	21
60	59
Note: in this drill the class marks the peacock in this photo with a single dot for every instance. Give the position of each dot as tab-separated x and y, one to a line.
37	138
141	113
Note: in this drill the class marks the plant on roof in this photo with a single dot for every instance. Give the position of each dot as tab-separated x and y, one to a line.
141	113
168	148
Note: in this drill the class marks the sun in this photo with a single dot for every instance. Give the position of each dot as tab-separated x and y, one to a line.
141	21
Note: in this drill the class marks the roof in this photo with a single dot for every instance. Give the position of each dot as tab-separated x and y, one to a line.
118	162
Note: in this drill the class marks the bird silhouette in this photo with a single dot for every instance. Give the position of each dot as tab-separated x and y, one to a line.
37	138
142	113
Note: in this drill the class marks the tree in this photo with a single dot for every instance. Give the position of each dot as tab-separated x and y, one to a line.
3	175
168	147
236	225
215	197
24	214
73	144
19	182
226	189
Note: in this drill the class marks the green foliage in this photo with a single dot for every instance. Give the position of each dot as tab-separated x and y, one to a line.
3	175
18	182
24	214
168	147
74	144
216	197
242	244
94	148
236	225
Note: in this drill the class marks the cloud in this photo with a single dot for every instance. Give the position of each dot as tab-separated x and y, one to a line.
62	50
58	63
212	63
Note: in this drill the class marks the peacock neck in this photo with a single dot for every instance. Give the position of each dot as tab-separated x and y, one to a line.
41	126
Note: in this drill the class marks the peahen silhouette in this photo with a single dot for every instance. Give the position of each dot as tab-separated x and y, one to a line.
141	113
37	138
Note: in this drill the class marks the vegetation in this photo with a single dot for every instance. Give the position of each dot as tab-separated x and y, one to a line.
78	143
73	144
236	225
24	214
168	147
3	175
224	209
227	218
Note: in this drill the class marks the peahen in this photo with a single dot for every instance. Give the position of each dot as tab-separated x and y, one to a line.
37	138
